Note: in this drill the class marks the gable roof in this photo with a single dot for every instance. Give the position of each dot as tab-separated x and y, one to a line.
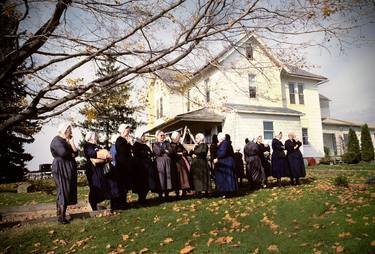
334	121
322	97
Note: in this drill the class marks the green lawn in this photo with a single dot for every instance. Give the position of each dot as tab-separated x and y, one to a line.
313	217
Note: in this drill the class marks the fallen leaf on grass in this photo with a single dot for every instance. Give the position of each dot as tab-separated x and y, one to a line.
167	240
373	244
224	239
339	249
210	241
273	248
187	249
345	234
125	237
318	252
256	251
144	250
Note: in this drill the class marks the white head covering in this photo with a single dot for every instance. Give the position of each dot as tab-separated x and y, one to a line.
200	138
61	129
220	136
139	132
113	138
122	127
89	136
174	135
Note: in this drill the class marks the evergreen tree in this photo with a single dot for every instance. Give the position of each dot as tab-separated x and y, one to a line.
353	154
367	148
105	112
13	100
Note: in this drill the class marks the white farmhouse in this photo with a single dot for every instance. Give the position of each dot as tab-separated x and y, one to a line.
245	91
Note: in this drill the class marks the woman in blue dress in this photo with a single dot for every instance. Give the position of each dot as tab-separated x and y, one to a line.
224	166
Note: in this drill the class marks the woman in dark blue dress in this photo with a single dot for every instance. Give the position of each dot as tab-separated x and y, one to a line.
64	170
279	162
224	166
295	159
99	187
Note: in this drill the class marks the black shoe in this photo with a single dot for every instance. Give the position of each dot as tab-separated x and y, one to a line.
62	220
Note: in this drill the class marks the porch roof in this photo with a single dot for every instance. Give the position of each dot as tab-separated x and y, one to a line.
203	115
339	122
242	108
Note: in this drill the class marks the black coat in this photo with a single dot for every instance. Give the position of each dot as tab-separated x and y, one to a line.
255	170
279	162
295	158
265	159
124	164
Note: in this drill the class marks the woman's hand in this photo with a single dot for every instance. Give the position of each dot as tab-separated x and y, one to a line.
215	160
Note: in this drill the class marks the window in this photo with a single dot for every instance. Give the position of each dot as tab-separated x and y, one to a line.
207	88
305	137
252	86
292	95
346	139
188	101
300	94
268	130
157	109
249	52
161	107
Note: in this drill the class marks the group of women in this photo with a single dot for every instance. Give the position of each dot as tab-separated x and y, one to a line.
131	164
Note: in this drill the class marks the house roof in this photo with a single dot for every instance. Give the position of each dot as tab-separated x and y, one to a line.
333	121
295	71
264	110
200	115
322	97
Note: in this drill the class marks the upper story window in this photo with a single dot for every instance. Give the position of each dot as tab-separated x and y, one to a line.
305	136
188	101
301	98
292	93
252	86
268	130
207	89
249	52
159	108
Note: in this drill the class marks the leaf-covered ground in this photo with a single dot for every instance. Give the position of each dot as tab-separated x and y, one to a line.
315	217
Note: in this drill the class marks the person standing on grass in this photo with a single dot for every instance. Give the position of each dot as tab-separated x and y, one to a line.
162	150
279	163
213	151
224	167
254	168
145	177
238	166
124	160
64	170
264	155
180	166
200	170
295	158
99	188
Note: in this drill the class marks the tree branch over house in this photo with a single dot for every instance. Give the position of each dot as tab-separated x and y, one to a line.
57	40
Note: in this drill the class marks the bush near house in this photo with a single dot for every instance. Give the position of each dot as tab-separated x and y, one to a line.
353	155
367	148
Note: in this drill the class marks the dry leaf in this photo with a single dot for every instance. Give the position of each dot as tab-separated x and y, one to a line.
125	237
318	252
144	250
167	240
339	249
187	249
373	243
345	234
210	241
224	239
273	248
256	251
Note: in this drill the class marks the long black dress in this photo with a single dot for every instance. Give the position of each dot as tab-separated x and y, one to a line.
255	170
238	165
162	151
265	159
279	162
180	167
99	187
124	160
64	170
200	170
146	177
295	159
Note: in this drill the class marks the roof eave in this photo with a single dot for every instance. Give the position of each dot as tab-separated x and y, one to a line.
268	113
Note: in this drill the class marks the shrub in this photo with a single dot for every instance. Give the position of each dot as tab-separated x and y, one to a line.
367	148
353	155
341	181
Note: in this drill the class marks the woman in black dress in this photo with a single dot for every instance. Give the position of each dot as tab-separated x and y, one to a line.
64	170
200	170
254	168
278	159
295	158
99	187
264	155
124	160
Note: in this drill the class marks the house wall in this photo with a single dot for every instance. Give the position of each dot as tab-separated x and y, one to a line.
339	131
252	126
312	119
324	108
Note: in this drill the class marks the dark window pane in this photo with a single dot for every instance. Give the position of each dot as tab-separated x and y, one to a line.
268	130
305	138
249	52
300	94
292	96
